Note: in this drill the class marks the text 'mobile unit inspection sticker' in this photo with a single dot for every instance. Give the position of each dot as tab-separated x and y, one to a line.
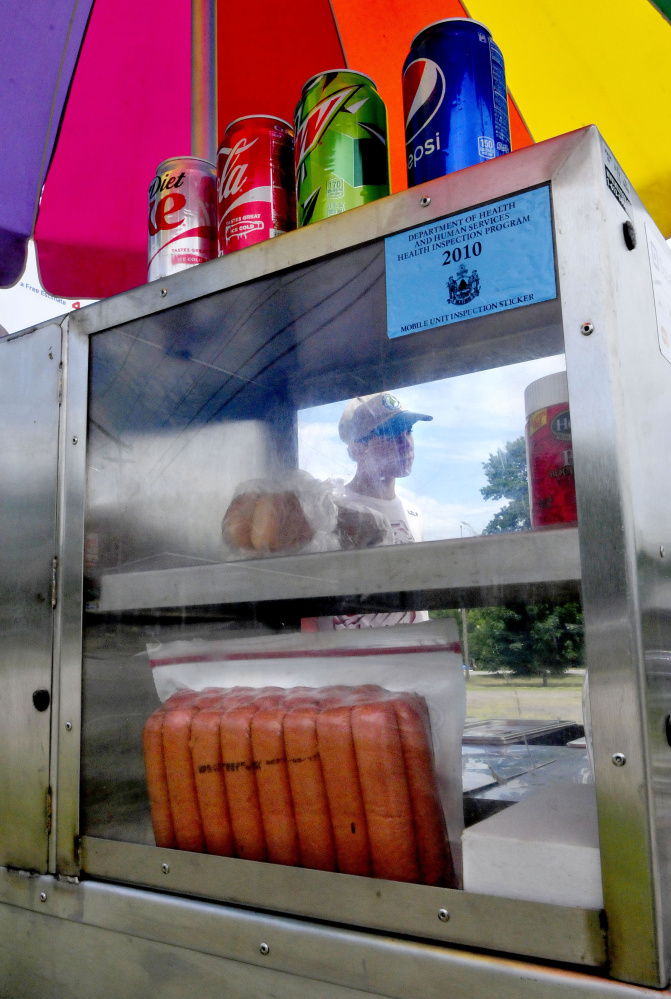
489	259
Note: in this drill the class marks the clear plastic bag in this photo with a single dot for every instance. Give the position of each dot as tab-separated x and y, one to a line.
295	513
397	694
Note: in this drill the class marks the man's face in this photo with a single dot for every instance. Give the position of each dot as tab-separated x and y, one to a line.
384	455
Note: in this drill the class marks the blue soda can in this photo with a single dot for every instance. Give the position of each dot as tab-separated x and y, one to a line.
454	98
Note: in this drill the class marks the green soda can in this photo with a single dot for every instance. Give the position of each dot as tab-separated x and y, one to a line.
340	146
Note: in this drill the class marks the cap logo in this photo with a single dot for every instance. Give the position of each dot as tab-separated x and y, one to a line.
390	402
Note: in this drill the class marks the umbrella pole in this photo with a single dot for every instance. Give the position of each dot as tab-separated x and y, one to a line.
204	79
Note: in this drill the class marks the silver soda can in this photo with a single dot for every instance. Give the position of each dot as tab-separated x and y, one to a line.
182	215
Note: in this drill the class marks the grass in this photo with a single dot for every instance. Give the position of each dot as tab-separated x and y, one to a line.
493	695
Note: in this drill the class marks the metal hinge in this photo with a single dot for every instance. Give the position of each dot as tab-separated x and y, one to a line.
50	799
54	583
60	383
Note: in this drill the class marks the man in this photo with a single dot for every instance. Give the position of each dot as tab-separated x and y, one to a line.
377	430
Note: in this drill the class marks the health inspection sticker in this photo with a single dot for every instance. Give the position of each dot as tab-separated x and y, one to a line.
489	259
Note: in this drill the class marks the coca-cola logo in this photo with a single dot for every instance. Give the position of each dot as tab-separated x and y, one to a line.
232	174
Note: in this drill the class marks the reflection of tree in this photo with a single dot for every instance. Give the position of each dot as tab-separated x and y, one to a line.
506	473
522	638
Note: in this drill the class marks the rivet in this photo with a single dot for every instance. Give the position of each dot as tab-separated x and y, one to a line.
443	915
619	759
75	440
425	202
587	328
264	948
164	292
68	726
43	896
165	868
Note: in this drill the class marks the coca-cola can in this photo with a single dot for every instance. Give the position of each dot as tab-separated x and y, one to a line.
182	215
255	181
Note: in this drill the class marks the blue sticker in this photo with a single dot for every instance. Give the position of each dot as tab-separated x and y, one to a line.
489	259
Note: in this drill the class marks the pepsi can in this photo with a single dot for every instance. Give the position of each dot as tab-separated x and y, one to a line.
454	98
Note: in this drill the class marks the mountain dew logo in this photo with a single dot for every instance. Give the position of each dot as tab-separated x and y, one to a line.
311	130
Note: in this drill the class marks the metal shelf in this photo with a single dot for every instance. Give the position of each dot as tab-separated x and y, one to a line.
480	571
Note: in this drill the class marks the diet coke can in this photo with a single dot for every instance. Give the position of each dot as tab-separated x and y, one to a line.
255	186
182	215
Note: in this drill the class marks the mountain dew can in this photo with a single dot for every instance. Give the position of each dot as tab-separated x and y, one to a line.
340	145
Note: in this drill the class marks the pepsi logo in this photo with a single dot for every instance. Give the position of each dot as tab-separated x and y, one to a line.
423	93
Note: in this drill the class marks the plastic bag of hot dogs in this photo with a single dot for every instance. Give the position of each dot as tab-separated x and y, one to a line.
337	751
294	513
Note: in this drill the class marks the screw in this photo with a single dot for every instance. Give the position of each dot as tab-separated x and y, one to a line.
75	440
587	328
443	915
43	896
165	868
619	759
68	726
164	292
264	948
425	202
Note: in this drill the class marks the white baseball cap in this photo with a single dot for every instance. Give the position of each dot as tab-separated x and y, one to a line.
367	413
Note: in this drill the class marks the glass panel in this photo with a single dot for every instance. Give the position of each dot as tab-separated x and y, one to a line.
287	710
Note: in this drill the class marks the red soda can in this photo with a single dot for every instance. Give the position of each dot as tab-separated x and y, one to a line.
550	452
255	186
182	215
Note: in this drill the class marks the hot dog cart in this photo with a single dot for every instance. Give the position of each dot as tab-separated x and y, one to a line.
128	427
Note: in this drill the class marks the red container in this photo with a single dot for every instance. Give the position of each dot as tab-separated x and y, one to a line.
255	186
182	216
550	452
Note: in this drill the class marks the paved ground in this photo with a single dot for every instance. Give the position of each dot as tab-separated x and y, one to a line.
494	696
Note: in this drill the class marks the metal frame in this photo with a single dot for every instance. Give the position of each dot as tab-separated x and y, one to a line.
614	374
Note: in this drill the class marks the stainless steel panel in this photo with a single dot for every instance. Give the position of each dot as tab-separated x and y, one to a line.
446	195
479	571
533	929
29	382
66	733
619	384
87	939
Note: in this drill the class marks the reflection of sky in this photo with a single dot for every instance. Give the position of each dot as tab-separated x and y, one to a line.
473	416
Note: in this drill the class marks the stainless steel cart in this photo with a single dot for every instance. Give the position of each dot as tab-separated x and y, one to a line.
127	427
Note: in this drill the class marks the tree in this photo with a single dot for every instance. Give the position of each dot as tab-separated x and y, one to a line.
506	473
527	638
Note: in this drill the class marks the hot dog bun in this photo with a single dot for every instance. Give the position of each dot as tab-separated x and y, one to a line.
279	524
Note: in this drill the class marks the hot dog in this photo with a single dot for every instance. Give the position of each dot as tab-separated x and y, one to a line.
209	778
272	781
308	791
379	756
341	778
435	861
243	798
157	785
179	775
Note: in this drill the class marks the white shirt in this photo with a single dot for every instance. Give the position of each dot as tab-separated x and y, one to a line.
407	526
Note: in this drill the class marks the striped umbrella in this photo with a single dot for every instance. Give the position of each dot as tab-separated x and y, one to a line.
100	91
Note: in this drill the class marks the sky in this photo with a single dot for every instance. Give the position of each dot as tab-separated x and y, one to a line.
473	416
